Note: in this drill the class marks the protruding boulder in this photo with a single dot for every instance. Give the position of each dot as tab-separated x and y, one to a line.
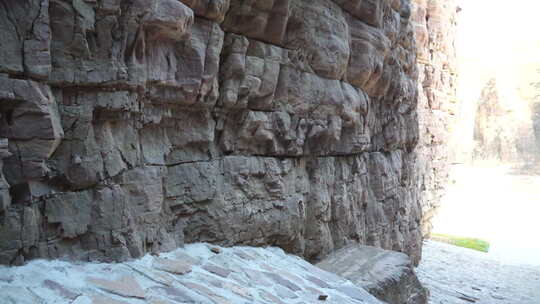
167	20
388	275
210	9
264	20
32	123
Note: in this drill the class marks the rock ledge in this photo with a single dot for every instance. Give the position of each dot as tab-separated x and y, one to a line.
194	274
388	275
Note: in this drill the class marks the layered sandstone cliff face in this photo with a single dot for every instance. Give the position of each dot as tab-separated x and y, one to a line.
137	126
435	27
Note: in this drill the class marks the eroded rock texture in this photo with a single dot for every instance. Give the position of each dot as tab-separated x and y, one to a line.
137	126
435	24
388	275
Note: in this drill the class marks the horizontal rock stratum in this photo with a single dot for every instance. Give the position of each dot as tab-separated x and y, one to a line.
130	127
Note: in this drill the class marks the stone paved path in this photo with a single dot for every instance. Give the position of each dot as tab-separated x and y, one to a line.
198	273
457	275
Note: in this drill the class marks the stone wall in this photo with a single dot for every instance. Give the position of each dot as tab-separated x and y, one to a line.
435	27
138	126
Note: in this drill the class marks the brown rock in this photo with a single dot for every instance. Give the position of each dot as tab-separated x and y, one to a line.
176	266
125	286
220	271
281	281
210	9
259	19
154	275
387	275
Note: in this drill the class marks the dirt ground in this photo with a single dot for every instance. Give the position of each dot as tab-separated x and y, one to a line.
456	275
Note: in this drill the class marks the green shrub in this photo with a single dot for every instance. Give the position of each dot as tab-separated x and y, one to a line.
471	243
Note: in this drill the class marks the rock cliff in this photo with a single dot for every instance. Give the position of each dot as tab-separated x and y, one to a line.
502	132
136	126
493	131
435	28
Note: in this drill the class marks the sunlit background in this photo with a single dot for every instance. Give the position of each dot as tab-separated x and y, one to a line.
497	39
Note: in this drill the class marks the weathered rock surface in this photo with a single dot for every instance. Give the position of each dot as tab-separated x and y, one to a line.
138	126
254	275
435	25
5	198
388	275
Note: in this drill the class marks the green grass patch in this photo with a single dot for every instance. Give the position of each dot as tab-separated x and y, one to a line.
475	244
